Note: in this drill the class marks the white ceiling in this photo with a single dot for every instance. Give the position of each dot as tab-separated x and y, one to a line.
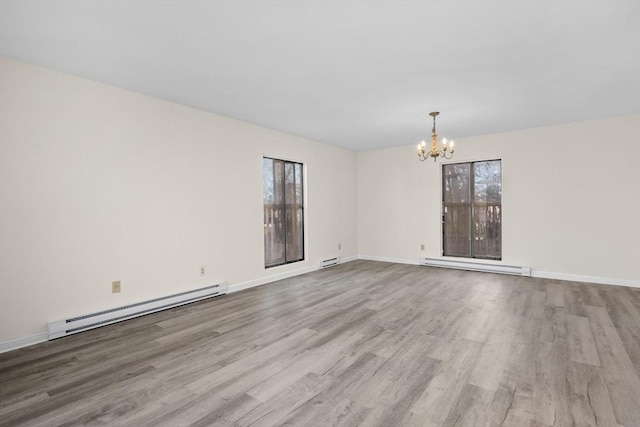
356	74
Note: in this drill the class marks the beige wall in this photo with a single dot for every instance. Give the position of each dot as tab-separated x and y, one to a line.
101	184
571	199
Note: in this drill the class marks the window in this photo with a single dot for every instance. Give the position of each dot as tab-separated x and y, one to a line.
283	212
472	209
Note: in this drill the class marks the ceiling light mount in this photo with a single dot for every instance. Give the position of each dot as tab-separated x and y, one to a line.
434	152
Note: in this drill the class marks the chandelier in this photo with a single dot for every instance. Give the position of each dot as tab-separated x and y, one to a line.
447	148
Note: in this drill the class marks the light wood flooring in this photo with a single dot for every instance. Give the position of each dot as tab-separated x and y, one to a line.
362	344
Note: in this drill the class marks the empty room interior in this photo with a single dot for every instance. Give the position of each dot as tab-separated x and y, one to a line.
320	213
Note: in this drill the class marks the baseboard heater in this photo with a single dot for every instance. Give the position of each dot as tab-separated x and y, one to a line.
331	262
74	325
476	266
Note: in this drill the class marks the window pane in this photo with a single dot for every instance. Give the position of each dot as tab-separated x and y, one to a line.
487	210
274	219
283	212
293	204
299	214
457	212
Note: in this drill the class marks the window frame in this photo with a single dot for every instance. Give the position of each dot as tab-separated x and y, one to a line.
302	214
471	208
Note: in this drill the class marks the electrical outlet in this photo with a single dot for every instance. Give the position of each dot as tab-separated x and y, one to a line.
422	246
203	271
115	287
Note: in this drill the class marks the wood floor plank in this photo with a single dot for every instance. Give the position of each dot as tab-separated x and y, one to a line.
590	400
230	372
493	358
335	405
311	360
625	315
441	395
555	295
276	409
582	347
623	382
471	408
551	393
513	401
362	344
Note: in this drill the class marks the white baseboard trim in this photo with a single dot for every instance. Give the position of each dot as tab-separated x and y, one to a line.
386	259
26	341
534	273
585	279
275	277
264	280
